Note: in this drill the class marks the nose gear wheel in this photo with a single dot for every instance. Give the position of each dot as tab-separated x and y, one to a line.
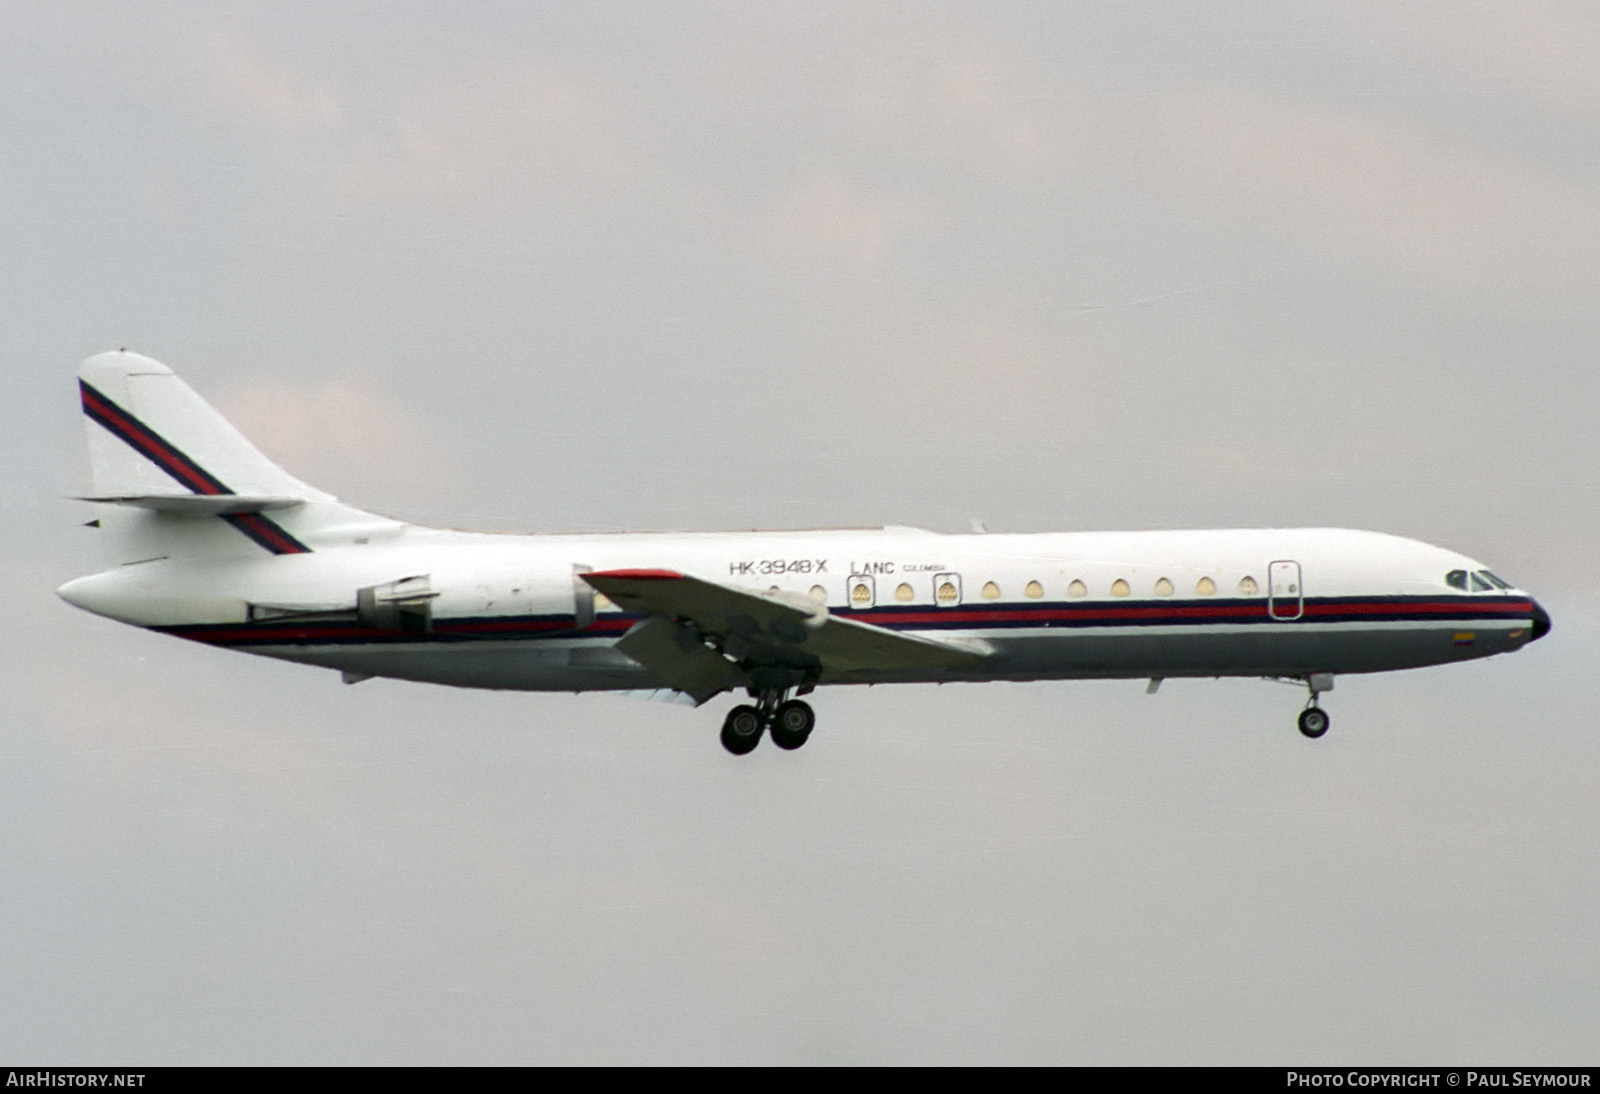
1313	722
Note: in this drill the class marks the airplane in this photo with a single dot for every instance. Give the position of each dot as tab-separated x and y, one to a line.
210	541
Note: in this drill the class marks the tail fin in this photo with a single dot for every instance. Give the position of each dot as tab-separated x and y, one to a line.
188	474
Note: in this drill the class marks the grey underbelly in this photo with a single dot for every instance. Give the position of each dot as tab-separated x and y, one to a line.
1288	649
514	666
1283	650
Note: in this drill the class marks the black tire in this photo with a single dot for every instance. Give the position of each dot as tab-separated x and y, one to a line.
741	730
1313	722
792	723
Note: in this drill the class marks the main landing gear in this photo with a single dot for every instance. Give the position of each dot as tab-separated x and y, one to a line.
789	720
741	729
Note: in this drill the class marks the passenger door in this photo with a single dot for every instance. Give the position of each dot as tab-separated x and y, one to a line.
1285	598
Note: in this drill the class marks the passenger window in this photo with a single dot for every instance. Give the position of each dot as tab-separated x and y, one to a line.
991	591
903	593
1033	590
1205	587
1077	589
818	594
1163	587
1248	586
947	589
860	594
1456	579
1119	587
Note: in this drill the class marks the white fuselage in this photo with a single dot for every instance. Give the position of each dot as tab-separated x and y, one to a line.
506	611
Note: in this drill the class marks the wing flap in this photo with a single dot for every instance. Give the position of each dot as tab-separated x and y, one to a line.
778	628
671	653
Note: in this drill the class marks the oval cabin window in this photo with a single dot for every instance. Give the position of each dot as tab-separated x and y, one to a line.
860	594
1247	586
903	593
818	594
1077	588
1033	591
1205	587
947	592
991	591
1119	587
1163	587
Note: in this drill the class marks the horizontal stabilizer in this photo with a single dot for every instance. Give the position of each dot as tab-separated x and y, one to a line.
200	505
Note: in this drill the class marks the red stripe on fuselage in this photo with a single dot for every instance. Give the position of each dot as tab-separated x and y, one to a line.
1441	607
1176	612
640	575
443	630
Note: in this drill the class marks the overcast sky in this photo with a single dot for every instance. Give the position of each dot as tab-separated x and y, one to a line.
1065	266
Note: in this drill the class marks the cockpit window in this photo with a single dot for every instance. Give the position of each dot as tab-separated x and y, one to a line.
1495	579
1456	579
1479	585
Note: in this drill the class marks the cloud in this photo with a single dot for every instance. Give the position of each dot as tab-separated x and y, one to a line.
830	217
341	432
971	113
496	137
484	133
1363	183
1453	202
1541	54
248	85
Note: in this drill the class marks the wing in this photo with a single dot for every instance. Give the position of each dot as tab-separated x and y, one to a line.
752	629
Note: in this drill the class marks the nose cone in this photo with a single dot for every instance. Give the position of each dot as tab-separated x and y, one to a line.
1541	622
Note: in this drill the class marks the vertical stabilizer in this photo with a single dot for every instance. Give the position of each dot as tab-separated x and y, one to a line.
195	485
149	433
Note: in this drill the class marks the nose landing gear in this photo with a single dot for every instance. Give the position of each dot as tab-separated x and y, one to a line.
1314	720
